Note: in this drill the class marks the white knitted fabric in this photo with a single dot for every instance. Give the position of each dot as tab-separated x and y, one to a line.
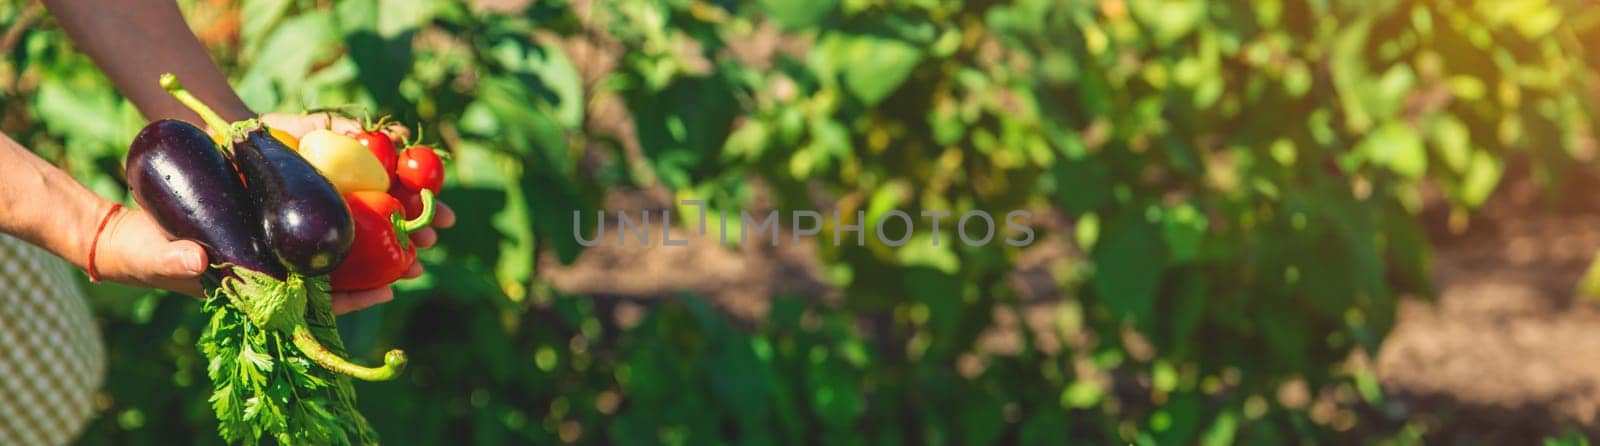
52	361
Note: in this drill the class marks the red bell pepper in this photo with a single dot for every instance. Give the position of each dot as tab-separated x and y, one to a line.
382	250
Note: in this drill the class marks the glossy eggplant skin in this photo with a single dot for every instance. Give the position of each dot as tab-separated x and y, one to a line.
306	222
178	175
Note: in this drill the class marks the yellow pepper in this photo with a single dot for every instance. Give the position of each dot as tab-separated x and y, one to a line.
344	162
286	138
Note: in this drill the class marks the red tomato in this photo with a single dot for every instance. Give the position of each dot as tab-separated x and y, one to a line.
420	169
381	147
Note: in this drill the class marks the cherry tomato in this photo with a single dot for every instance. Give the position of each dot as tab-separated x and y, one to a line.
381	147
420	169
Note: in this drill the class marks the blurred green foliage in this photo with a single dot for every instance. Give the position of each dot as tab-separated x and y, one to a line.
1238	184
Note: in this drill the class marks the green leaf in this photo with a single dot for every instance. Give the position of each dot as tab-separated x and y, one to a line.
797	14
684	125
277	72
1183	412
523	123
1129	260
1169	20
258	16
515	223
1045	426
559	78
1350	75
1453	141
940	292
1480	179
65	108
1082	185
1186	306
871	67
399	16
922	251
1222	430
1184	228
1392	89
1086	230
1396	146
982	418
1297	79
1081	394
358	16
1531	18
748	142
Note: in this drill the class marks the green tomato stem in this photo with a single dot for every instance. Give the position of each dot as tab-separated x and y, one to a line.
393	362
211	118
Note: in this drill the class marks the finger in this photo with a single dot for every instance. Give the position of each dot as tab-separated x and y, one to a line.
359	300
398	133
414	272
443	216
425	238
133	250
183	259
297	125
345	126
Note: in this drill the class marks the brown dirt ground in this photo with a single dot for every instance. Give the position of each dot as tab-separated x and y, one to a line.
1509	351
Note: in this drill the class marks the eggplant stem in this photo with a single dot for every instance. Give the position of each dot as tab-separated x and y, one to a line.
170	83
423	219
393	362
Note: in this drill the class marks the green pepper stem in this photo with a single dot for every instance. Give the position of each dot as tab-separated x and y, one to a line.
424	219
170	82
393	362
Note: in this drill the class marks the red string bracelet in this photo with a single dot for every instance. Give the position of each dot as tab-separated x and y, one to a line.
94	246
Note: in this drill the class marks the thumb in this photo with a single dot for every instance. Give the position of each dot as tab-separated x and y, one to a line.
181	259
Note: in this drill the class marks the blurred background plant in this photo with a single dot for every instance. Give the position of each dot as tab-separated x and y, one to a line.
1227	191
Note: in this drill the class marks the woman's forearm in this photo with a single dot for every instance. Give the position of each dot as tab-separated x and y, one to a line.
134	41
44	206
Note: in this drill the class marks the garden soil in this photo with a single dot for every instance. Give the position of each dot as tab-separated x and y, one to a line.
1509	351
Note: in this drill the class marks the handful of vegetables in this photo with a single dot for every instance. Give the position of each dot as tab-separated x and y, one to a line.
283	229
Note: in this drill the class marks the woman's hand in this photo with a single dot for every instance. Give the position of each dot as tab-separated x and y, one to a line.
134	250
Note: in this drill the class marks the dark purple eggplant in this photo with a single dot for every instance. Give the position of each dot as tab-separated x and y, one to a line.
194	193
307	223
